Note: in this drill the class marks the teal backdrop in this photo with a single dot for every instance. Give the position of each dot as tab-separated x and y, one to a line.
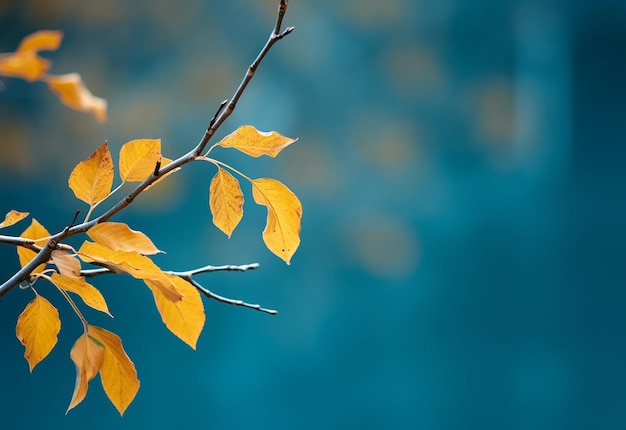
461	167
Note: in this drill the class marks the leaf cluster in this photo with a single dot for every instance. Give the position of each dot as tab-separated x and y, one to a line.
115	248
26	63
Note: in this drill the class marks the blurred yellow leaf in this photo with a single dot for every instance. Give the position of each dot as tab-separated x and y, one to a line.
225	201
90	294
132	263
117	373
24	62
92	179
255	143
185	318
138	159
34	231
88	356
73	93
37	329
119	237
67	264
13	217
284	213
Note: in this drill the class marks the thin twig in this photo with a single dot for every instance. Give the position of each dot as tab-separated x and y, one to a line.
90	273
228	301
225	113
226	267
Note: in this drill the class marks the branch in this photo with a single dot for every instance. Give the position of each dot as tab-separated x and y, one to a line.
226	300
90	273
223	112
19	241
207	269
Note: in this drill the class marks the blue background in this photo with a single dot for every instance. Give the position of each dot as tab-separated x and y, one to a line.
461	170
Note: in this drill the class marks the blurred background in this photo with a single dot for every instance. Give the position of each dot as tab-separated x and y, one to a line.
461	168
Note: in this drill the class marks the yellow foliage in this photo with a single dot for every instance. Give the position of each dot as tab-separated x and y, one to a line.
24	62
88	356
73	93
225	201
138	159
119	237
90	294
37	329
13	217
117	373
284	213
120	249
66	263
185	318
34	231
92	179
255	143
132	263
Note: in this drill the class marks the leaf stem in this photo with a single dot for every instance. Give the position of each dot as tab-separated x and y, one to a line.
227	166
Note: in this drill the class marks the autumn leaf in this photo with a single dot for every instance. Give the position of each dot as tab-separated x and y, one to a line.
90	294
92	179
73	93
284	212
132	263
24	62
119	237
255	143
138	159
37	329
225	201
88	356
67	264
185	318
117	373
34	231
13	217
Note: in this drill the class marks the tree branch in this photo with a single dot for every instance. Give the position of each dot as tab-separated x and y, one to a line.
226	300
90	273
19	241
188	276
223	112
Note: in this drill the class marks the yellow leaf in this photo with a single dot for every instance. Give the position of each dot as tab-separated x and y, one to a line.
225	201
138	159
67	264
72	92
119	237
24	62
37	328
185	318
92	179
255	143
43	40
284	212
90	294
117	373
13	217
132	263
88	355
34	231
